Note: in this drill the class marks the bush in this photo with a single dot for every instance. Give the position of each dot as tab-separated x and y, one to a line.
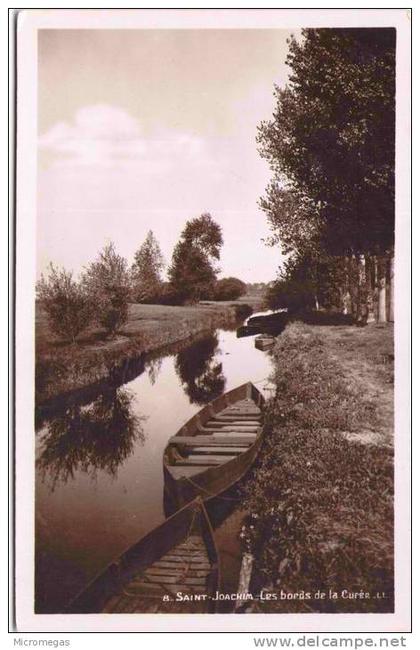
293	295
68	307
229	289
107	281
114	309
169	296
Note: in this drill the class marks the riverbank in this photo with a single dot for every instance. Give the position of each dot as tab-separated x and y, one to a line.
63	368
320	498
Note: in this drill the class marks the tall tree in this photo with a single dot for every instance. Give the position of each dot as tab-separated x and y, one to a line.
146	271
331	148
192	273
332	136
107	281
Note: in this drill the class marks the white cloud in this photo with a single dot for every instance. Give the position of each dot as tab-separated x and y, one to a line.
103	177
103	135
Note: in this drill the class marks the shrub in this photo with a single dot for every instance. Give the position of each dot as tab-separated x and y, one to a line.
107	281
68	306
229	289
294	295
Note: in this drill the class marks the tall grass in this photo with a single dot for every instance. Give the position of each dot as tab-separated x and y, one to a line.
320	506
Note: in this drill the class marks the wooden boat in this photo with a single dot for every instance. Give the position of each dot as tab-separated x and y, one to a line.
264	342
279	317
246	330
216	447
173	569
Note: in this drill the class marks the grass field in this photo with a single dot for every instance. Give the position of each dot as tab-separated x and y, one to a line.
320	500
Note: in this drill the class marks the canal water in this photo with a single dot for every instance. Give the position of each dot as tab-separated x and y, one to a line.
99	485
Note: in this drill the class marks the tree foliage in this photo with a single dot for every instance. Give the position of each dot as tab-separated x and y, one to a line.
107	282
308	281
331	142
68	306
192	273
146	271
293	295
295	221
229	289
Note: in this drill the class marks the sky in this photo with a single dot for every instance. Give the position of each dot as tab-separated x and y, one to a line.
145	129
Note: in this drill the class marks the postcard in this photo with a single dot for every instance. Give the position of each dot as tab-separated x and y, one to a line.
212	320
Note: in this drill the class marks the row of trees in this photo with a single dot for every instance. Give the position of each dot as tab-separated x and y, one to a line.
331	148
106	287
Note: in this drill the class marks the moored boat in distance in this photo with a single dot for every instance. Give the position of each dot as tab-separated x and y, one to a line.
278	317
173	569
244	330
264	342
216	447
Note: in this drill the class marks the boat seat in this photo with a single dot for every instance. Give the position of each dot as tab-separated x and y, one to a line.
175	571
235	417
234	435
203	460
179	471
216	450
217	440
183	554
229	429
196	562
230	422
167	580
240	411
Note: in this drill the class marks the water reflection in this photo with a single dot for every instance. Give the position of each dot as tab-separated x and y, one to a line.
153	367
201	376
90	438
83	524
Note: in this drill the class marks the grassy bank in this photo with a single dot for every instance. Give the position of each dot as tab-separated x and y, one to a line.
62	368
320	500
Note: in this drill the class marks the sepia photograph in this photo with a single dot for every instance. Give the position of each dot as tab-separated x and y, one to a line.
211	304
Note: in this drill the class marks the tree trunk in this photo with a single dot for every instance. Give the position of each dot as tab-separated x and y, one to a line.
353	287
363	290
382	291
391	289
370	283
374	276
347	302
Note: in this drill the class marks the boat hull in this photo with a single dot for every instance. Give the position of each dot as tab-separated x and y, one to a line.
214	481
264	343
119	575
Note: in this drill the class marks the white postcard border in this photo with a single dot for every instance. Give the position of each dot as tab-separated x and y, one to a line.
29	22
